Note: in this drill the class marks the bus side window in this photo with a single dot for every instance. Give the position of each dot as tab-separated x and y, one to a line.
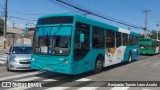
125	39
81	48
110	39
130	39
98	37
135	40
118	39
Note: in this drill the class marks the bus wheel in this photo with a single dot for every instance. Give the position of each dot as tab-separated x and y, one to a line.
98	65
130	57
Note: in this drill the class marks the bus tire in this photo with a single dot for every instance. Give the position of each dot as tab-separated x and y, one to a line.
98	65
130	57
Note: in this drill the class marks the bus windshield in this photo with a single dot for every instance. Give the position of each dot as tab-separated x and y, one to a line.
52	40
145	46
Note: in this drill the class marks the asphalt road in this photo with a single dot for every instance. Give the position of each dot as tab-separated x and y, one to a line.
144	68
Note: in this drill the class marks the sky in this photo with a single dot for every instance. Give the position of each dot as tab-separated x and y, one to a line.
129	11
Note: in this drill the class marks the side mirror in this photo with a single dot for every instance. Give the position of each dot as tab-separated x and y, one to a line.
8	53
82	37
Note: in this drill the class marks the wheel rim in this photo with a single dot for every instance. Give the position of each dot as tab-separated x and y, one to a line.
99	65
130	58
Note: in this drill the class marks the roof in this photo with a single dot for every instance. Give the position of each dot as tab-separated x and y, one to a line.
15	31
21	45
94	22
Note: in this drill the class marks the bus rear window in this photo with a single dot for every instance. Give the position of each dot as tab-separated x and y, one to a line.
56	20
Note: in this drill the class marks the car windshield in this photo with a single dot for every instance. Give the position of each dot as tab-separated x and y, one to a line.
52	40
21	50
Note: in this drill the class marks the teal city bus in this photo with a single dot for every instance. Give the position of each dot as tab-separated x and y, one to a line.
149	46
73	44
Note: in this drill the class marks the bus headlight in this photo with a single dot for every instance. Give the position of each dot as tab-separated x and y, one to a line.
32	59
135	50
66	61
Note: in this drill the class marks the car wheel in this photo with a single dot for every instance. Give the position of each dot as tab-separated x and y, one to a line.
8	69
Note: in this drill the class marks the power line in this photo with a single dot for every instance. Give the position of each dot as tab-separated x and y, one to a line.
133	5
98	15
1	6
22	18
25	13
54	2
139	6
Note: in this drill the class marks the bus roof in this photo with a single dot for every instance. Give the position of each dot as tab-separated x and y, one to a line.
92	22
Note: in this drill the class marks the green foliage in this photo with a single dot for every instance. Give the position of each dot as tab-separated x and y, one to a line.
1	26
152	35
141	35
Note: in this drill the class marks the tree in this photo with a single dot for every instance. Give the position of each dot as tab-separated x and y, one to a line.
141	35
1	26
153	34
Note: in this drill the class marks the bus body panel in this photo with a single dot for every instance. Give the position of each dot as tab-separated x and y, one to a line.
67	64
88	62
157	50
149	46
114	55
55	64
151	52
130	49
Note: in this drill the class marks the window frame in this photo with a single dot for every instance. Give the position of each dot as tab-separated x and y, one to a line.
98	29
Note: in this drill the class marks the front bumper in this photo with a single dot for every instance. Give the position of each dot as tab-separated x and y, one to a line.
18	66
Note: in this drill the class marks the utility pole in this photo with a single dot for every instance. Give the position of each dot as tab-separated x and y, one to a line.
5	24
13	25
157	30
145	22
157	24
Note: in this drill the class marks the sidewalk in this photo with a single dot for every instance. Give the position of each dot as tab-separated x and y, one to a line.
3	51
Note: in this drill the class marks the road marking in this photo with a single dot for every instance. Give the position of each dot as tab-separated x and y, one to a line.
3	55
83	79
120	88
38	77
18	76
2	62
1	58
29	79
89	87
34	78
70	84
57	78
